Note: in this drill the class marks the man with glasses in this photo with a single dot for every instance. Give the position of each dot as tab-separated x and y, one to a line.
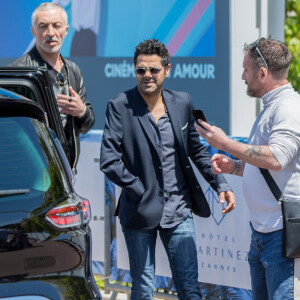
147	142
50	27
274	144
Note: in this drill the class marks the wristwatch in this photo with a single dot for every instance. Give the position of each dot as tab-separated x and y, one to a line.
237	168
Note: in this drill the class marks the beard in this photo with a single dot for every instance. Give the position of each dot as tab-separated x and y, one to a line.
149	89
47	48
253	92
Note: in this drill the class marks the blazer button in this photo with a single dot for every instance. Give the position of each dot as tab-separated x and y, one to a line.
160	193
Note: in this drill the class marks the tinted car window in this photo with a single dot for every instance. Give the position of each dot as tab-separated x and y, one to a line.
22	90
63	156
25	298
28	163
25	88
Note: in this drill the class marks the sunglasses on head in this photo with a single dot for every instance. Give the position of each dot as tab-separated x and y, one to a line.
61	79
254	45
152	70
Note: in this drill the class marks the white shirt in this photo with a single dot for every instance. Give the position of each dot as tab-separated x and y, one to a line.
278	126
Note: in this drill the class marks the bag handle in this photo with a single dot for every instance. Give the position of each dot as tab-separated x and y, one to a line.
272	184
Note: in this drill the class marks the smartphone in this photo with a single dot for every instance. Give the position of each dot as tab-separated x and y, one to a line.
199	114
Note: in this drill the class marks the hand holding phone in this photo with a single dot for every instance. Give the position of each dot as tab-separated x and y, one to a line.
199	114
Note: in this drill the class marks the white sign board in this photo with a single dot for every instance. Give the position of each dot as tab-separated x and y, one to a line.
222	241
90	184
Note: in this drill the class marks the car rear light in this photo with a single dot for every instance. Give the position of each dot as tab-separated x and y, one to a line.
70	214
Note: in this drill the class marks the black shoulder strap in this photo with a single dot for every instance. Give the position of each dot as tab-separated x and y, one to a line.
272	184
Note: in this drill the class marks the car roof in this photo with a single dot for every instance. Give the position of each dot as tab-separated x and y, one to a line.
12	105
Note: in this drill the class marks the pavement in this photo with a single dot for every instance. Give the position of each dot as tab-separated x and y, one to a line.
120	296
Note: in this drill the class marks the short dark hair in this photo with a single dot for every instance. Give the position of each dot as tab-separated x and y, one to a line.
275	53
151	47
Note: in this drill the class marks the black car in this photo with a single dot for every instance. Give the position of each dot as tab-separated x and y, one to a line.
34	83
45	240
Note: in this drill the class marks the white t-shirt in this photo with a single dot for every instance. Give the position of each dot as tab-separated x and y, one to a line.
278	126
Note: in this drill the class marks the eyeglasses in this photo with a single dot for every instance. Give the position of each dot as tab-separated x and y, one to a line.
254	45
61	79
142	71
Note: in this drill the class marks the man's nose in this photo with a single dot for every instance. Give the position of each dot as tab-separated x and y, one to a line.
243	76
50	31
148	73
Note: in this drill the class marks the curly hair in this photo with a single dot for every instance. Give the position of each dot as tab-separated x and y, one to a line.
151	47
275	53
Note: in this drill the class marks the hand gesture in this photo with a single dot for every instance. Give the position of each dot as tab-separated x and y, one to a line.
71	105
229	197
222	164
213	135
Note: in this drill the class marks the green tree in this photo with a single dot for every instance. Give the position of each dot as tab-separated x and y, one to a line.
292	39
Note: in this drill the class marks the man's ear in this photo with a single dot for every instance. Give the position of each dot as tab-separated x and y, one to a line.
263	73
168	68
67	30
32	30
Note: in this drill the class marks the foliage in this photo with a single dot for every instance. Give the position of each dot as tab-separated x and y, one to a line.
99	282
292	39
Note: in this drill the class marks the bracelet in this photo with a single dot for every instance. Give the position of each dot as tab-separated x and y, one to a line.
237	168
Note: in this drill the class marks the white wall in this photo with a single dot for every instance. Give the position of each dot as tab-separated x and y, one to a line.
242	29
249	20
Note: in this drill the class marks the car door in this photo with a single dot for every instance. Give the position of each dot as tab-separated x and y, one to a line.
34	83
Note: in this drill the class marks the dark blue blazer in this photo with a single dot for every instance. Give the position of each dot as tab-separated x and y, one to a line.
129	158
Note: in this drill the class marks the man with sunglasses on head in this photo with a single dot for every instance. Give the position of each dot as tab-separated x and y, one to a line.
50	27
274	144
147	142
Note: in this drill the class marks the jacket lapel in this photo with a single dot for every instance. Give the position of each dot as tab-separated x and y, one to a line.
139	107
174	117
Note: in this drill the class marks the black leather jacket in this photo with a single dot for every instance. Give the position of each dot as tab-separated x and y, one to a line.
74	125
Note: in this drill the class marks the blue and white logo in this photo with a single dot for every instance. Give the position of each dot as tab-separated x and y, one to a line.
215	207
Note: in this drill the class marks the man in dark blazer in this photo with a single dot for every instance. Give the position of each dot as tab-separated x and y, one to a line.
148	139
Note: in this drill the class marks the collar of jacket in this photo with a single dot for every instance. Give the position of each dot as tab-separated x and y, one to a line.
37	56
141	111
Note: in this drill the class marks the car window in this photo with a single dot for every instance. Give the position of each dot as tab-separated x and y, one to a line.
29	163
23	90
41	93
63	156
31	297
